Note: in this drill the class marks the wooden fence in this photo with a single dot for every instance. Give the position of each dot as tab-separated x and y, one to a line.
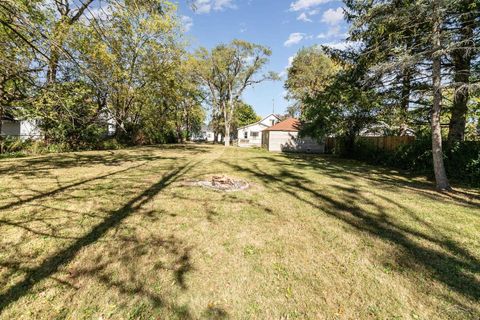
387	143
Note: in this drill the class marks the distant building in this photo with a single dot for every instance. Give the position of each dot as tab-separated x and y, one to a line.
20	128
206	134
251	135
284	137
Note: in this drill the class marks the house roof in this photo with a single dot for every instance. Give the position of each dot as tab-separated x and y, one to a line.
260	121
290	124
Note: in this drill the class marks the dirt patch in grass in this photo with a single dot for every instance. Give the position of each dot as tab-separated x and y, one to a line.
221	183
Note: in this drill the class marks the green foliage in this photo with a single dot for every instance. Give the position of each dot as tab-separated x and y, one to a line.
420	63
69	115
128	68
343	108
310	73
225	72
109	144
462	159
14	147
244	115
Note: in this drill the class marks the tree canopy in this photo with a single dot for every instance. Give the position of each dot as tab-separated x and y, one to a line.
310	73
121	69
408	72
226	71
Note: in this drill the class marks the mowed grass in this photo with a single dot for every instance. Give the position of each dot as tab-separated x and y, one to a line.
120	235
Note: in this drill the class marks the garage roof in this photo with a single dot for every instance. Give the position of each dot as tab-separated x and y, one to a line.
290	124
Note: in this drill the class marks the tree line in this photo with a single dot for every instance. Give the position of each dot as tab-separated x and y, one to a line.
412	67
81	67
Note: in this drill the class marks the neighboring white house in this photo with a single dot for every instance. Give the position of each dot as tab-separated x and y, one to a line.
206	134
23	129
284	137
251	135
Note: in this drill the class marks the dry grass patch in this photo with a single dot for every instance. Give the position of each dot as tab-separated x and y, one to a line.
118	235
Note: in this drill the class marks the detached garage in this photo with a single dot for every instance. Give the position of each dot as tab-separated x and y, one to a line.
284	137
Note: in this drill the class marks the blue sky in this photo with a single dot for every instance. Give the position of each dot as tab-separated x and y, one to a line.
284	26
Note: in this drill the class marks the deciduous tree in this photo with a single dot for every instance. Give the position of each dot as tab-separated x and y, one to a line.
226	71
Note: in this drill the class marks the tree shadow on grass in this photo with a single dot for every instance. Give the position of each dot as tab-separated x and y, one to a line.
64	188
379	176
41	165
452	265
52	265
127	262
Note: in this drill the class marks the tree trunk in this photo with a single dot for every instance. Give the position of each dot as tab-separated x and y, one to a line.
59	32
1	128
226	122
187	126
462	58
228	110
405	101
215	137
227	136
438	165
53	66
180	135
2	113
457	124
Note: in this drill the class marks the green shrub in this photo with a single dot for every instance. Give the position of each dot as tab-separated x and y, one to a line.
10	145
462	160
14	147
110	144
57	147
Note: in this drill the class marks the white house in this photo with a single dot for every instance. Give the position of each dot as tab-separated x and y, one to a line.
205	134
251	135
284	137
23	129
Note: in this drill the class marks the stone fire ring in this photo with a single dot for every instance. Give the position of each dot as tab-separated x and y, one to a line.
222	183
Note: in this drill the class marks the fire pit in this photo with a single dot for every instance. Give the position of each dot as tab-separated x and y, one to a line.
222	183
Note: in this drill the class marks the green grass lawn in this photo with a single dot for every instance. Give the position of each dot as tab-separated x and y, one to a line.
120	235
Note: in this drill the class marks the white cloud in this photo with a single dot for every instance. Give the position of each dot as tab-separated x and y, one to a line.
290	60
202	6
187	23
305	4
333	32
243	27
342	45
332	16
223	4
205	6
304	17
336	45
294	38
284	72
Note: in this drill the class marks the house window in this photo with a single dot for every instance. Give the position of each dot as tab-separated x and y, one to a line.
272	121
254	134
245	135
